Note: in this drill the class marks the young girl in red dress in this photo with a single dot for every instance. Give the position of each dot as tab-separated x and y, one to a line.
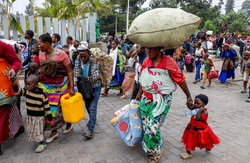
197	132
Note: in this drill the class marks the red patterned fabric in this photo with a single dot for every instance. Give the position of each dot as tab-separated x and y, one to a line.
4	122
36	59
7	52
199	134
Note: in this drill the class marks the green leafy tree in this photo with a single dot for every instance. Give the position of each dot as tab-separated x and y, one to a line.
119	8
6	6
51	8
229	6
209	26
201	8
233	22
246	4
163	3
29	8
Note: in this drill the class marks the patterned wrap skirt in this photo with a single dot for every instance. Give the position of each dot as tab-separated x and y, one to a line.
54	93
10	117
35	127
152	142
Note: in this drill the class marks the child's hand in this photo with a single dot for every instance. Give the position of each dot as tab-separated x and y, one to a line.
198	116
49	117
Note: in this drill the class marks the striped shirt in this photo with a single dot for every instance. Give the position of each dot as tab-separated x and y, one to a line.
36	101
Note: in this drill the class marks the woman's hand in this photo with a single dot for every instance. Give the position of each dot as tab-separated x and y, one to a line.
138	97
72	92
189	103
12	75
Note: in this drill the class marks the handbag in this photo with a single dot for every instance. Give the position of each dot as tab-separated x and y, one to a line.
213	73
85	88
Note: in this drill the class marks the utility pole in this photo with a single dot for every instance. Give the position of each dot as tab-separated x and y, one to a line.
127	17
116	23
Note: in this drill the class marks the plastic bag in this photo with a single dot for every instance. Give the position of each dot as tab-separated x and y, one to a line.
128	123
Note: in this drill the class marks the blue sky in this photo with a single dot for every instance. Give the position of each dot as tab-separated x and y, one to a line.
19	5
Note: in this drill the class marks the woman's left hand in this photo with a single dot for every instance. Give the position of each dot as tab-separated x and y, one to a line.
72	92
189	103
12	75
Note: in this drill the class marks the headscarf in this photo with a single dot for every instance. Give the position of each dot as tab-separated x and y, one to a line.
227	44
203	98
83	46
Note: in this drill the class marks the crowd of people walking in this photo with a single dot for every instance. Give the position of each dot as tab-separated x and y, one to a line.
52	70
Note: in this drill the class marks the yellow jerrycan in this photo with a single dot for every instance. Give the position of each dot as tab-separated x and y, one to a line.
72	108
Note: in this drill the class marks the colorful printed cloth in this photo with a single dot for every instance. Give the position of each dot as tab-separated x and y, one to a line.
105	66
82	70
119	75
7	95
54	93
129	124
151	142
158	83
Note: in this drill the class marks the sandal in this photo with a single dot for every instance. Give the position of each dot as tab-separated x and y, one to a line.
186	155
209	85
202	87
155	158
40	148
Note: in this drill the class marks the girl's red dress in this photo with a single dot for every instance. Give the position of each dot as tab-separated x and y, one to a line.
199	134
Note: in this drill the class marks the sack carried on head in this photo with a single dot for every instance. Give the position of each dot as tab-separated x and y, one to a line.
163	27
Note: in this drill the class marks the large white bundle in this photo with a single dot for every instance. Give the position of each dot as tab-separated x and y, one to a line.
166	27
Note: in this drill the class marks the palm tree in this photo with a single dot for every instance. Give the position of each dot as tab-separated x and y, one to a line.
51	8
6	6
72	9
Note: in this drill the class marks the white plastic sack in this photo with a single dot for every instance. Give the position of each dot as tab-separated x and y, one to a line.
209	33
166	27
237	49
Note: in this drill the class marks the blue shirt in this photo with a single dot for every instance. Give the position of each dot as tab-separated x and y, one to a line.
24	56
125	47
58	45
229	54
85	69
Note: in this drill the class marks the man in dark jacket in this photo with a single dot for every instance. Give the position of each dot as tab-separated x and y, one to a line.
28	35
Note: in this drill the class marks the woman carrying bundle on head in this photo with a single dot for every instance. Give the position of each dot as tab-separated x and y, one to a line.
159	74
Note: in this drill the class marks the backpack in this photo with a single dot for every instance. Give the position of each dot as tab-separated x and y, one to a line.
105	66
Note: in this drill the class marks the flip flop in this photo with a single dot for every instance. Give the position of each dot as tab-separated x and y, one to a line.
40	148
186	155
155	158
202	87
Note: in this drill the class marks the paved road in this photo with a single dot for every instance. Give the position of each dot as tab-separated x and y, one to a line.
228	117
